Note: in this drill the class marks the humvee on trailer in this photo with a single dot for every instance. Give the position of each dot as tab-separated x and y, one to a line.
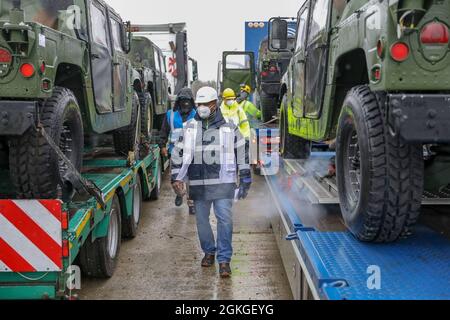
151	85
63	69
375	75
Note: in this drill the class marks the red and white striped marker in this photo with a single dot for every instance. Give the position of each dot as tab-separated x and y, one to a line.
30	236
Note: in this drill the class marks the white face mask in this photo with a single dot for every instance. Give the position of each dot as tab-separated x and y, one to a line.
229	102
203	112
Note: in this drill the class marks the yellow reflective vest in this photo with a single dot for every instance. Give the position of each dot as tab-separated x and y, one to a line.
251	110
236	115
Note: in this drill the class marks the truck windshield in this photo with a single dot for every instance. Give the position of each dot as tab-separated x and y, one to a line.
61	15
142	53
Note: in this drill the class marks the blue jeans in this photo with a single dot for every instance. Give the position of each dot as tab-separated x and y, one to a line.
222	209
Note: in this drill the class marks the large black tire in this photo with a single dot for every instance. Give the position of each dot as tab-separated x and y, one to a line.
380	177
126	139
291	147
269	106
130	224
147	115
36	170
98	259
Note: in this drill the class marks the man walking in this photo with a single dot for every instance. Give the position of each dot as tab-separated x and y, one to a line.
211	154
172	132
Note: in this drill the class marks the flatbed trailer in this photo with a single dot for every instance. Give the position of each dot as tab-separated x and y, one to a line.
41	240
323	260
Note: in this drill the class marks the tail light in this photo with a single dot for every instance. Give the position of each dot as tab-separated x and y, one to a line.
5	56
27	70
65	221
65	248
399	51
434	33
42	68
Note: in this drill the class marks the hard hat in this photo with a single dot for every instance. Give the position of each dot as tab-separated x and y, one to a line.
246	88
228	94
205	95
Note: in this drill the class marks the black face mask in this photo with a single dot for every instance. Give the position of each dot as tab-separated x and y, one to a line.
185	106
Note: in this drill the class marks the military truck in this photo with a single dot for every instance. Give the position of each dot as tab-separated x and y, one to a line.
151	85
271	67
375	76
236	68
64	74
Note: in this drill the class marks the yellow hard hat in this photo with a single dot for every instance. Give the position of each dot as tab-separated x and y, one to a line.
246	88
228	94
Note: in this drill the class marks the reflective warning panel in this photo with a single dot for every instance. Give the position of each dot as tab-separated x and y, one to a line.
30	236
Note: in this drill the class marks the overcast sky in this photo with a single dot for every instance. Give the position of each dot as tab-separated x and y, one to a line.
213	26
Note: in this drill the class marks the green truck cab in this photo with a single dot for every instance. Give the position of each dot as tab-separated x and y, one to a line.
235	69
64	68
375	76
271	66
151	84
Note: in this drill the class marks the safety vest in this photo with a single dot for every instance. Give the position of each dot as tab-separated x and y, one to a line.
175	121
199	170
250	109
237	116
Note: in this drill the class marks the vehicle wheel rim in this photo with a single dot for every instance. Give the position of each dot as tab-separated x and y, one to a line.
113	234
158	183
353	168
137	203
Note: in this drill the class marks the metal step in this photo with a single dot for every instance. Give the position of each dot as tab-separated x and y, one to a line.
323	190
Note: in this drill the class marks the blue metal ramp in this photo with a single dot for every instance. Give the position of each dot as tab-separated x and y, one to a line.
338	266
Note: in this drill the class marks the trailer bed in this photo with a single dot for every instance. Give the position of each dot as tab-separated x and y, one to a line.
324	261
86	220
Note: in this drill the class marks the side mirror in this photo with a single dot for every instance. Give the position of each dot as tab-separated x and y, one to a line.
126	36
278	34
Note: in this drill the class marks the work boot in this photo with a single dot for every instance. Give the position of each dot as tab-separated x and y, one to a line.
179	201
192	210
224	270
208	260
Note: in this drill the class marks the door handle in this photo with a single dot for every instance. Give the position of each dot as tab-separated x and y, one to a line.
301	60
95	56
116	63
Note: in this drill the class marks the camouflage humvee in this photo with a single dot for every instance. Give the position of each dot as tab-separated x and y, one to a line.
63	67
375	75
151	84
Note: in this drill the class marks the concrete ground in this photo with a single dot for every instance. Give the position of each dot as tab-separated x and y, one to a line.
163	262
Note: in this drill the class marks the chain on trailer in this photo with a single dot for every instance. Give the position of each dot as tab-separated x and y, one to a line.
72	175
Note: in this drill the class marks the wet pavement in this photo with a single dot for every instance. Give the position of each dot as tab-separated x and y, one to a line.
163	261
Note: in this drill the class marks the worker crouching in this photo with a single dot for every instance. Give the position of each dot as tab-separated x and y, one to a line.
212	154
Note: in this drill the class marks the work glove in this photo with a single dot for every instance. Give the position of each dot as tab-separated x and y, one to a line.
244	187
178	188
